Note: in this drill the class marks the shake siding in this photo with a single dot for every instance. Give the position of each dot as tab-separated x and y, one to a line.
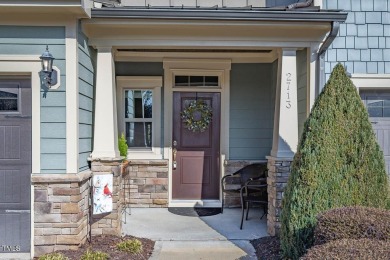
86	68
252	105
363	42
32	40
302	88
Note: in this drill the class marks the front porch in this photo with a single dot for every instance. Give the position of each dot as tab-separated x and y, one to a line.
260	80
183	237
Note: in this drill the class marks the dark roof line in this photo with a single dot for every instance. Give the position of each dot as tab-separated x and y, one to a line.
254	14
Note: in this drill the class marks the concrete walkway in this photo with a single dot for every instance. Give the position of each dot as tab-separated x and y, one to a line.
192	238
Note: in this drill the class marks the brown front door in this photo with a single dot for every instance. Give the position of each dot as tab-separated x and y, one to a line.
197	173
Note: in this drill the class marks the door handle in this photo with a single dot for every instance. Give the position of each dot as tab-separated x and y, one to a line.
174	152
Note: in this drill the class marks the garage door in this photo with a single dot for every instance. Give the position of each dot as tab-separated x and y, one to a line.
15	164
378	106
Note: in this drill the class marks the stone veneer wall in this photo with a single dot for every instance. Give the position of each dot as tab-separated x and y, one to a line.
146	183
232	166
60	211
110	223
278	174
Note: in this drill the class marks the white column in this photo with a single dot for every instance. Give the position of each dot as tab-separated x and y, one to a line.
105	129
285	137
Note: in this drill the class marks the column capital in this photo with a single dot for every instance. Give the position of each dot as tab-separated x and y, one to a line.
104	48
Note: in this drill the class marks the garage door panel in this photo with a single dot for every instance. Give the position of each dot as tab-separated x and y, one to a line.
15	231
377	103
15	165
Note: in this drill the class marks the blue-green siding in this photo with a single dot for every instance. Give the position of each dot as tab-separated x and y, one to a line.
302	88
86	69
32	40
139	69
252	96
363	42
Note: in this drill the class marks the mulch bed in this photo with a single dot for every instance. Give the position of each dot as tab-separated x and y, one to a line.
267	248
107	244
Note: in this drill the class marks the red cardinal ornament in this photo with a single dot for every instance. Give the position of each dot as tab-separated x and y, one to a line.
107	191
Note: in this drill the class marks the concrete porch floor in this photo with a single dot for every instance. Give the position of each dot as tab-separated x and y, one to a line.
191	238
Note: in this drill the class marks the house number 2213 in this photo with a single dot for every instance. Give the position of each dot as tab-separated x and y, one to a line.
288	83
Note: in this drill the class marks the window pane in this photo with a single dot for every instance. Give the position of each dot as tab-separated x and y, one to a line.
375	111
138	103
8	105
196	81
181	81
386	111
139	134
211	81
12	93
374	103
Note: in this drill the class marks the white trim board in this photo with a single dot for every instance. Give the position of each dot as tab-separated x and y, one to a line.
29	65
370	81
72	99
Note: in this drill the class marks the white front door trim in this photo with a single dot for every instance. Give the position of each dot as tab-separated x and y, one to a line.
174	67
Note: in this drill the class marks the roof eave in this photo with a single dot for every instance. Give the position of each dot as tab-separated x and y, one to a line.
220	14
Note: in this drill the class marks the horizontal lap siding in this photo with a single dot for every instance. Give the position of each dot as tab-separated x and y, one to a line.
86	67
252	105
363	42
32	40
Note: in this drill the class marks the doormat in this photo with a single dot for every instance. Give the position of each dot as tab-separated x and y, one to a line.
194	212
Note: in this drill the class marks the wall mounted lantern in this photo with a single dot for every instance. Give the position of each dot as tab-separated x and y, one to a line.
49	75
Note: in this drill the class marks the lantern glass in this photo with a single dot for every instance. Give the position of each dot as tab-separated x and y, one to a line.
47	60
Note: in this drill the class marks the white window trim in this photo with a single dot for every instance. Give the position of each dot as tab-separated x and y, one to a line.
139	83
186	72
371	81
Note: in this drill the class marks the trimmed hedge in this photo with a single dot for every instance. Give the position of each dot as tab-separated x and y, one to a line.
338	163
352	223
350	249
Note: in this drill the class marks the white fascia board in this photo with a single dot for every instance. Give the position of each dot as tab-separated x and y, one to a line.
77	8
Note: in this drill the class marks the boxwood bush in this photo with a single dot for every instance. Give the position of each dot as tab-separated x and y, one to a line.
350	249
338	163
352	223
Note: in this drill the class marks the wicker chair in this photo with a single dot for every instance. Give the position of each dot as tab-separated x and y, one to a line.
232	183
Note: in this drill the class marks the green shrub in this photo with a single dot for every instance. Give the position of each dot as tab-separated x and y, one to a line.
338	163
350	249
94	255
352	223
133	246
53	256
122	145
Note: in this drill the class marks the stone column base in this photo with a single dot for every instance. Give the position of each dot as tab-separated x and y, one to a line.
110	223
279	170
60	211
